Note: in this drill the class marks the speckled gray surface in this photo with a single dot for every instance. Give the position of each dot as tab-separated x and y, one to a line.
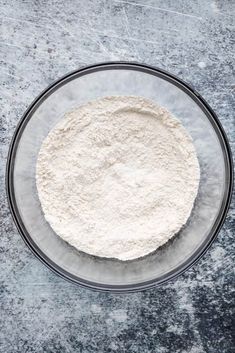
42	40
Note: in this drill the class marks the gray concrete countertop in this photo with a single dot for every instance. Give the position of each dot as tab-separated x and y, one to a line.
41	41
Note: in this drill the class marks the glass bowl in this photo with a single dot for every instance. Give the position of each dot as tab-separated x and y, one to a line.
178	254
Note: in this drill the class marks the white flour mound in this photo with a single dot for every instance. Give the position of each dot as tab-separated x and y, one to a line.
117	177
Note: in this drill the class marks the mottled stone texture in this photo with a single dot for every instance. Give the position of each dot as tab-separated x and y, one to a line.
39	42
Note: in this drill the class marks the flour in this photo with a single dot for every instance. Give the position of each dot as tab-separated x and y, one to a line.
117	177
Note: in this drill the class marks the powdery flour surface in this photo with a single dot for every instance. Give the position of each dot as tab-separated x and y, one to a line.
117	177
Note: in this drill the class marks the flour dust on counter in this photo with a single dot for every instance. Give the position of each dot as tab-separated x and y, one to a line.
117	177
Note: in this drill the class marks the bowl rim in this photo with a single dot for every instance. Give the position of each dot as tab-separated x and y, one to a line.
212	117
